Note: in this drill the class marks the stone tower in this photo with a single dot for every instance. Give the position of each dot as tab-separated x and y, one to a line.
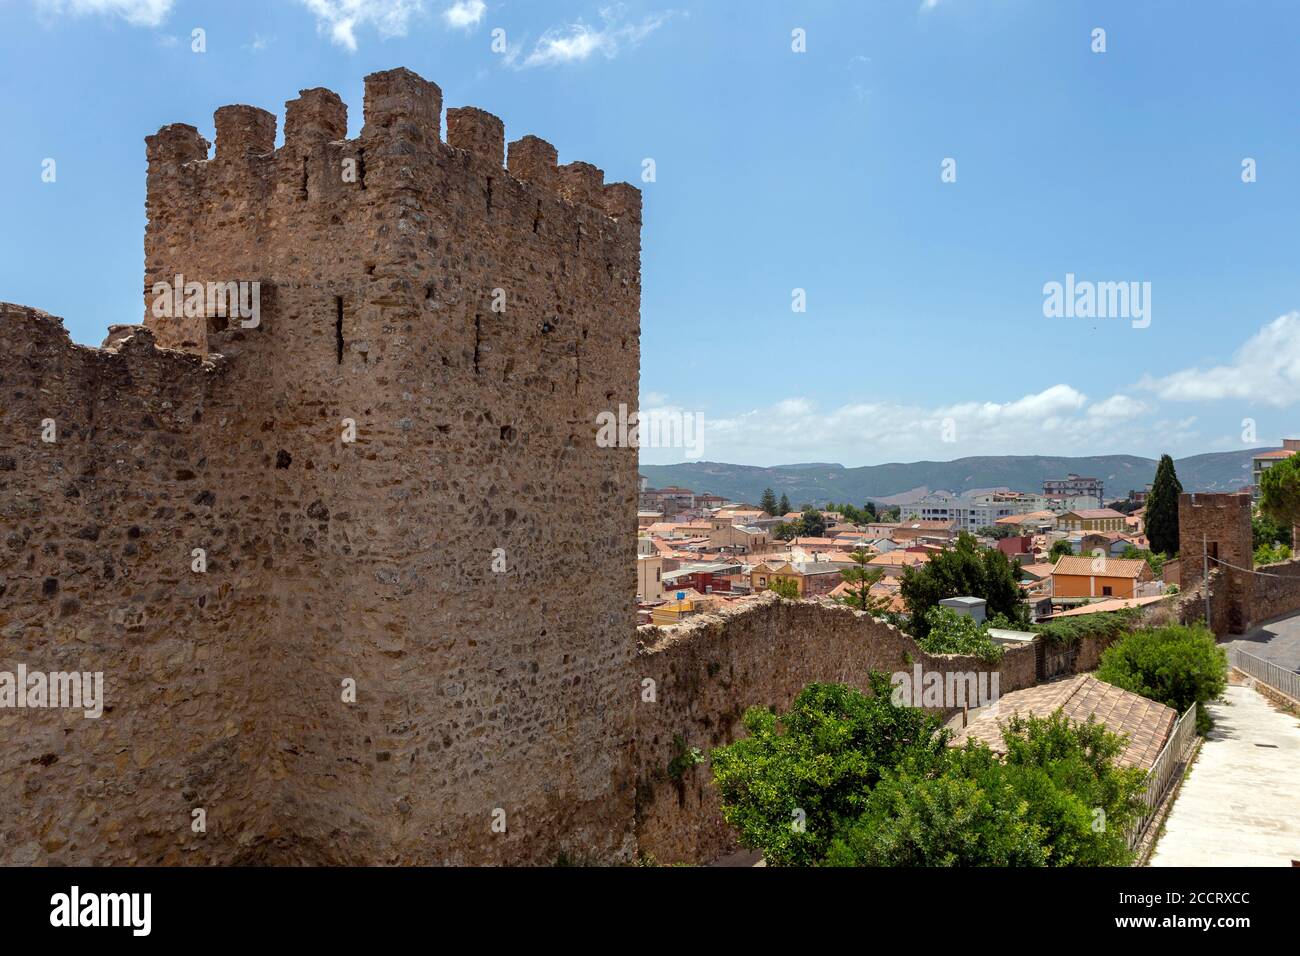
393	473
1216	529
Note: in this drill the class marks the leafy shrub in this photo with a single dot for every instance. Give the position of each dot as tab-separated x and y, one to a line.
1108	624
1272	553
948	632
1059	798
1175	665
836	745
856	780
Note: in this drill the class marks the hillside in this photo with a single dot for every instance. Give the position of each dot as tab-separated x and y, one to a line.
897	483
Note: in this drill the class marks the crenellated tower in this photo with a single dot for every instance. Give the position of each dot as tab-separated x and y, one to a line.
404	492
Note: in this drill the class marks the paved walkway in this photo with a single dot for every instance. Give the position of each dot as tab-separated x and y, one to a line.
1240	806
1277	641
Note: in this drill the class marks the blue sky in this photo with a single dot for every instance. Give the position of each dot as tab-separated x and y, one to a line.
924	334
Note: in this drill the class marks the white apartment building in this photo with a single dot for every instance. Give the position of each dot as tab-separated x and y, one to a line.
974	512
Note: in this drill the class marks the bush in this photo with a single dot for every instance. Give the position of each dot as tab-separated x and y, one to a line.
1272	553
1107	624
1059	798
877	786
948	632
837	744
1175	665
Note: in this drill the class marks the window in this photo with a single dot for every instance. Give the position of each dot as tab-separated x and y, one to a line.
1105	590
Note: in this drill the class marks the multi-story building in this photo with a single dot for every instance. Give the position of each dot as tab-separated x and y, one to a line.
1072	486
1092	519
1265	460
970	513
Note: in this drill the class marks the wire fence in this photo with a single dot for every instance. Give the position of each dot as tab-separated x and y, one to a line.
1164	772
1266	672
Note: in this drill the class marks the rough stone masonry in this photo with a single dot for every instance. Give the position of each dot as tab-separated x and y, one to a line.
467	563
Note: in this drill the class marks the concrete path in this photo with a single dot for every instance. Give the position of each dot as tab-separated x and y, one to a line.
1240	806
1277	641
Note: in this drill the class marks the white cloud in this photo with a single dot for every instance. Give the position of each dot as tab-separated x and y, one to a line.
929	4
142	13
1057	420
1119	408
341	18
1266	369
465	14
579	41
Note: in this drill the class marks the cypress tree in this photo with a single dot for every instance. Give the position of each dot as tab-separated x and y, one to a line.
1162	509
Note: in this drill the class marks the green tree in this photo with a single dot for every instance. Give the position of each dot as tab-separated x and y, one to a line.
787	588
965	570
1156	562
1060	549
844	779
1162	508
948	632
1266	531
1058	798
863	578
786	530
998	532
783	507
816	765
949	820
768	502
1279	488
1175	665
812	523
1272	553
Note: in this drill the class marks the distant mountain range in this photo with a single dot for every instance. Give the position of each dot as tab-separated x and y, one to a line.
902	483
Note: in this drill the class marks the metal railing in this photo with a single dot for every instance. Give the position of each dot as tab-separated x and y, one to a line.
1164	772
1266	672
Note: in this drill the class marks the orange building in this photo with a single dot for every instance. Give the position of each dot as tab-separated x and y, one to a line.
1100	577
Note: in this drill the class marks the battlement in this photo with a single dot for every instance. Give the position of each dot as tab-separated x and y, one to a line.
1207	499
401	109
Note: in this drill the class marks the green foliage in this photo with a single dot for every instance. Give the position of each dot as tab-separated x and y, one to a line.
783	507
998	532
863	515
1162	508
877	786
948	820
1059	798
768	503
823	758
1060	549
1267	531
1175	665
862	578
965	570
1279	487
787	588
1070	775
1272	553
948	632
1156	562
1108	624
684	758
812	523
786	530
